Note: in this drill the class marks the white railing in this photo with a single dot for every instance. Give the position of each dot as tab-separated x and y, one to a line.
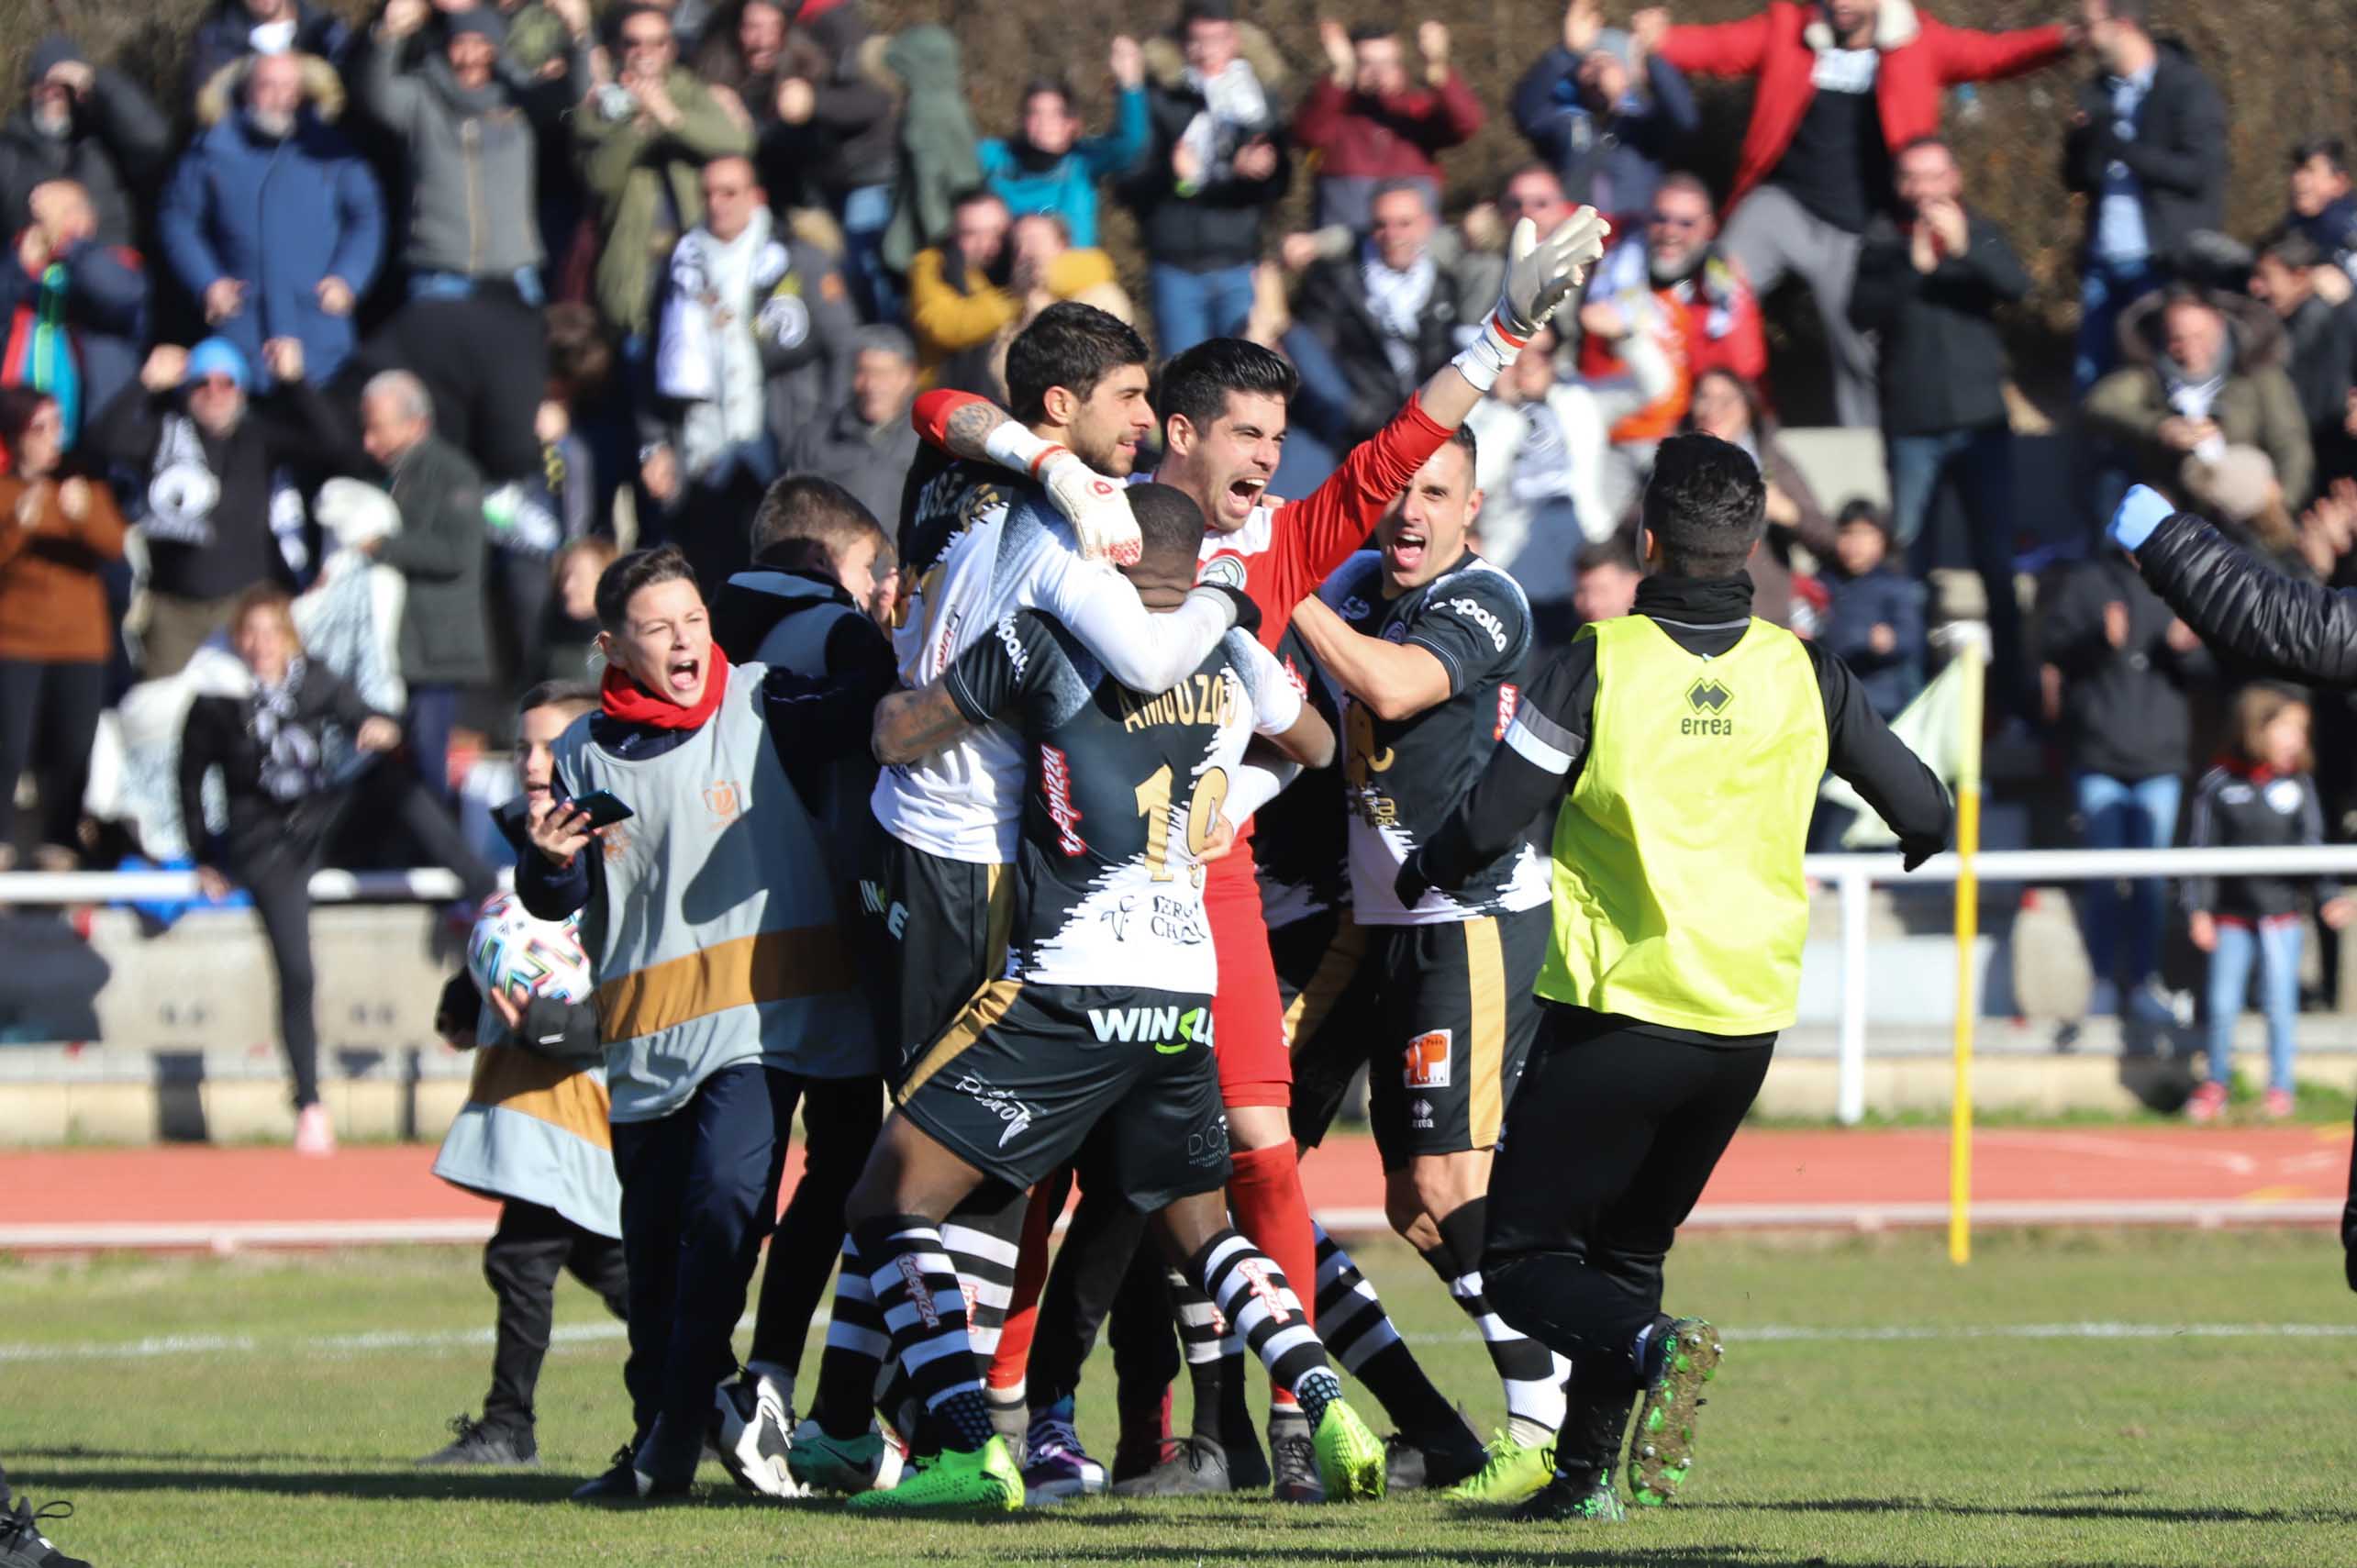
1853	877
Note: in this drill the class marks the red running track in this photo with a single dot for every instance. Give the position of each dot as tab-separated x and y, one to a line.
198	1196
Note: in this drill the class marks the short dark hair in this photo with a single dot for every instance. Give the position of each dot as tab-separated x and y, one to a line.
2332	149
558	694
805	506
17	406
1198	381
1462	436
1071	345
974	196
1858	509
1169	522
1918	143
1368	32
580	355
2292	248
1055	86
1605	555
1705	505
1193	11
621	583
2137	14
623	15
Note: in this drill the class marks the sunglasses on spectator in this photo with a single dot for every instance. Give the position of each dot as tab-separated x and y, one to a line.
1673	220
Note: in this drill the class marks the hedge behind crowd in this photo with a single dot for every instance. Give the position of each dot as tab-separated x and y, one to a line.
2287	68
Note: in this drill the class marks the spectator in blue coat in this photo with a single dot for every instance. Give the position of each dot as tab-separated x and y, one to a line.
272	221
1875	620
1606	111
1049	167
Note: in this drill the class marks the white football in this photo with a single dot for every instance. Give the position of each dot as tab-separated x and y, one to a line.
510	949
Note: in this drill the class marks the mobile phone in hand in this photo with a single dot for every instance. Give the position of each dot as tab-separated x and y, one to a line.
605	808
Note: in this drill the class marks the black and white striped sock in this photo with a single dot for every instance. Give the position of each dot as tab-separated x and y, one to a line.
1214	1359
1360	1335
1533	1375
857	1346
984	1262
925	1310
1251	1293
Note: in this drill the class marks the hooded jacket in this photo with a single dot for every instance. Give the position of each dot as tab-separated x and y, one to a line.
2178	155
116	148
2257	406
1921	57
277	216
472	159
939	152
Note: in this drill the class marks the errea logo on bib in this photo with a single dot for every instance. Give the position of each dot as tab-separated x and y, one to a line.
1474	611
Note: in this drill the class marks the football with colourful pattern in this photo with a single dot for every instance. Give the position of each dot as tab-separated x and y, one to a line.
510	949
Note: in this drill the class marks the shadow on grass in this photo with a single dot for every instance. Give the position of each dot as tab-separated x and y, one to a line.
2059	1507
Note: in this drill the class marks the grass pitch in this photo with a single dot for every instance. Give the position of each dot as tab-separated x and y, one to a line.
2133	1398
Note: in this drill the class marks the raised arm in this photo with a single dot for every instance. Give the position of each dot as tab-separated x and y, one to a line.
1394	681
2238	603
981	431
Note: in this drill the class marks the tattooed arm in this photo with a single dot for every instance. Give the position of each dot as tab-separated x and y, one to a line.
981	431
913	724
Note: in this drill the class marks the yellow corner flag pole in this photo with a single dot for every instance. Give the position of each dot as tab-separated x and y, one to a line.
1968	912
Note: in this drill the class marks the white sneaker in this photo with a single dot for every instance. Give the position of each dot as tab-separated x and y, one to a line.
314	1132
753	1433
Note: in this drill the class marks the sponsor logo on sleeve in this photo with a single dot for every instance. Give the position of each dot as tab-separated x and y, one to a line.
1013	643
1509	698
1479	613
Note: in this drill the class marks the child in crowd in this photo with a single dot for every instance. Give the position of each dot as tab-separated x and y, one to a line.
569	628
2259	796
1875	623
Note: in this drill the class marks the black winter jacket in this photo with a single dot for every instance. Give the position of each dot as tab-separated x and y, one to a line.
2125	714
119	151
1333	305
2288	627
2178	155
1943	364
1218	227
2236	807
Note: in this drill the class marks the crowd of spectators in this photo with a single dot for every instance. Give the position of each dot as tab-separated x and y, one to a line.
551	274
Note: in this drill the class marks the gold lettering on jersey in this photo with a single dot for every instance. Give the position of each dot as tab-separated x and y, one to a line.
1199	699
1361	761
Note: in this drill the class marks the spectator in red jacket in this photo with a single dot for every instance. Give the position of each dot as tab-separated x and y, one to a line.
1843	84
1676	258
1370	124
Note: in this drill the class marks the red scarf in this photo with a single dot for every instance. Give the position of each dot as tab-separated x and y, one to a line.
622	697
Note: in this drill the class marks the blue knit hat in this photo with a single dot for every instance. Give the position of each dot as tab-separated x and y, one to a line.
217	356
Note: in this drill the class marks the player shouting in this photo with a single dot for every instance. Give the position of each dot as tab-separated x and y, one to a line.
1224	424
1094	1044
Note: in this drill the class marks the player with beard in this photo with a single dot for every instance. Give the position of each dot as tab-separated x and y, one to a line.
973	549
1224	416
1093	1045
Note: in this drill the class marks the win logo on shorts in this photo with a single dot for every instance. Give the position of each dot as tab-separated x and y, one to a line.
1168	1029
1427	1063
